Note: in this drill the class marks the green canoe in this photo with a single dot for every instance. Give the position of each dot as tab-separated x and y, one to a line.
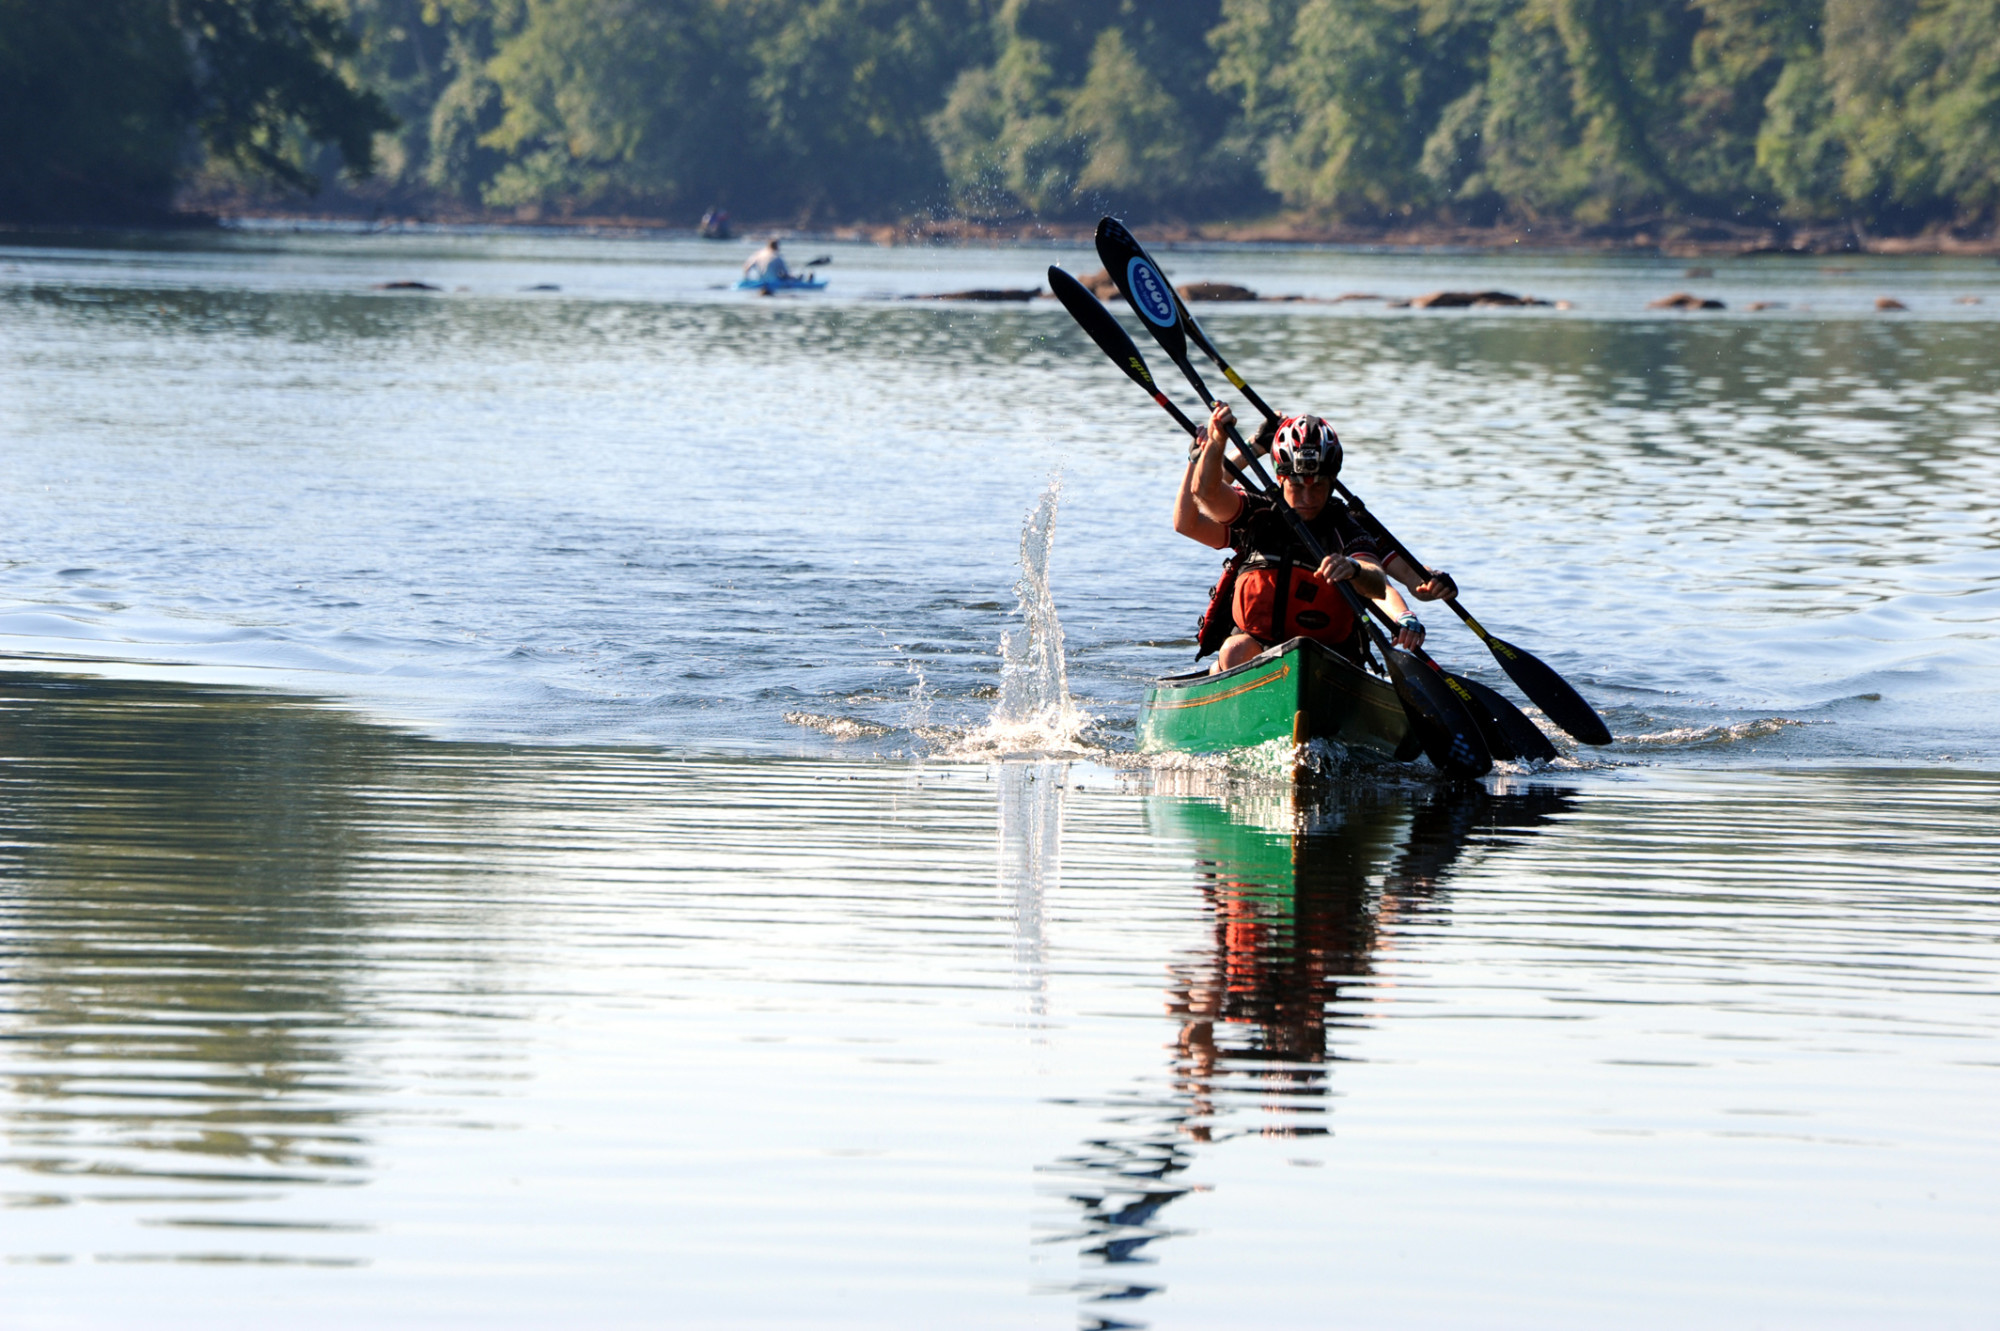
1298	690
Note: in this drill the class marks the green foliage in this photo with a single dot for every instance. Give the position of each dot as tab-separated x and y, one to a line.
94	99
1885	113
1091	105
1360	81
842	90
102	101
268	78
625	104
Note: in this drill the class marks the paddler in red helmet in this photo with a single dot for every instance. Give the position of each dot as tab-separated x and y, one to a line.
1279	593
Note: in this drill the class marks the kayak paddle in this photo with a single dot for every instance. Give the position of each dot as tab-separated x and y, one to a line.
1449	737
1549	691
1160	308
1506	728
1146	287
1118	248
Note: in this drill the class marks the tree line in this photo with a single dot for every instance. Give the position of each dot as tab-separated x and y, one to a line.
1884	113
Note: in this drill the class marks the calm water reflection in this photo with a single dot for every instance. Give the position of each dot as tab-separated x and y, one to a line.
1297	915
305	1014
195	940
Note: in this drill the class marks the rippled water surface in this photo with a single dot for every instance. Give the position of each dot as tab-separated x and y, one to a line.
502	821
642	509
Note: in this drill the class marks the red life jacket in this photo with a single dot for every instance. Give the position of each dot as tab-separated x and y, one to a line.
1215	626
1272	609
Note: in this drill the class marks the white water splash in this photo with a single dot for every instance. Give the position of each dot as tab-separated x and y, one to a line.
917	712
1035	713
838	727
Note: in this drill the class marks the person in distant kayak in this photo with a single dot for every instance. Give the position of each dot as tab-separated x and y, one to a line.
767	265
1278	592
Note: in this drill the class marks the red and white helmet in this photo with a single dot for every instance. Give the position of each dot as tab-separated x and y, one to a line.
1306	447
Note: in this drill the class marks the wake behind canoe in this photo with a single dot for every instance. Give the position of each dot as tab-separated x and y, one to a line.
1298	690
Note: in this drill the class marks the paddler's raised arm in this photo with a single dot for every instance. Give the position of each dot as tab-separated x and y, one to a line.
1214	497
1188	519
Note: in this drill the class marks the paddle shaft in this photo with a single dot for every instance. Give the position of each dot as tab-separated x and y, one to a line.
1168	323
1556	696
1454	746
1367	516
1172	325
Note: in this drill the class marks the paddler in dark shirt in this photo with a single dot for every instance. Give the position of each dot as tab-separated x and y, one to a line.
1279	594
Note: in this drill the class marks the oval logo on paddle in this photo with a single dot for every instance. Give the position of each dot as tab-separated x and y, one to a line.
1150	293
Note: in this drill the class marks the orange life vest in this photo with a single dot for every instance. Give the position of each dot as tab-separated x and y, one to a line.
1272	612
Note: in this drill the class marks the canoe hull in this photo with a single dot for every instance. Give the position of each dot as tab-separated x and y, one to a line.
1298	690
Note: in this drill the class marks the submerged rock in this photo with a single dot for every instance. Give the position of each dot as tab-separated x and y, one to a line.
986	293
1684	300
1459	300
406	286
1099	284
1194	291
1889	303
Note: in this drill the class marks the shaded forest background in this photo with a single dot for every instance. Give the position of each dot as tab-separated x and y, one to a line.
1876	113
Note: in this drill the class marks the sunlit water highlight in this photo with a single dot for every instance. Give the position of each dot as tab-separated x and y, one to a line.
499	820
307	1015
638	509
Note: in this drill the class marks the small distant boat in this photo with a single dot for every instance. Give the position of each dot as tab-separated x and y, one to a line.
810	282
1298	690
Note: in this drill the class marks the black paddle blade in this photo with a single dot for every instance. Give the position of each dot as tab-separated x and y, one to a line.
1450	738
1144	285
1104	330
1190	326
1490	730
1550	692
1523	737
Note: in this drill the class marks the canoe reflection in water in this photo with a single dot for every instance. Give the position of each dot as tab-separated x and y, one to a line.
1305	890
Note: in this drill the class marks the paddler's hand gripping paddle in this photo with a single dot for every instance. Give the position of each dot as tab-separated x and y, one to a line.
1450	738
1167	317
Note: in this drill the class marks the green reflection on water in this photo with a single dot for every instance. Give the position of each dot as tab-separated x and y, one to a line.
186	923
1300	887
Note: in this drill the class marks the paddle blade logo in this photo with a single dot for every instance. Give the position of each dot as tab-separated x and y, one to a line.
1150	294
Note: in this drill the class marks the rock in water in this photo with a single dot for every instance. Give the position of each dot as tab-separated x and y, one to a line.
1682	300
988	293
1459	300
1889	303
1194	291
1099	284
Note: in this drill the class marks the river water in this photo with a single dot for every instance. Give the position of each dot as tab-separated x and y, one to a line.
613	804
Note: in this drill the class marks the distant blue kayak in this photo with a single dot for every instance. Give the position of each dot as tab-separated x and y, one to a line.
807	283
